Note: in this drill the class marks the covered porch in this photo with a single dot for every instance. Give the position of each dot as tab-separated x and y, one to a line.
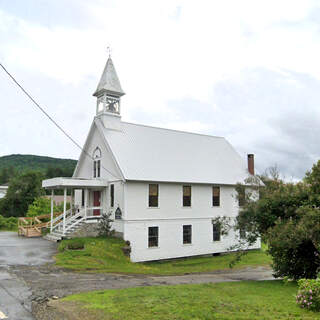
87	201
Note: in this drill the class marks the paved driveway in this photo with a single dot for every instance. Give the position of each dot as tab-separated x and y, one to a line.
14	251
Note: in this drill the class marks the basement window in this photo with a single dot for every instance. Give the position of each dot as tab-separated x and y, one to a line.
153	195
187	196
187	234
153	237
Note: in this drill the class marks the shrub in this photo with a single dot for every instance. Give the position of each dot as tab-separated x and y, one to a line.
62	246
41	206
8	223
308	295
105	225
75	244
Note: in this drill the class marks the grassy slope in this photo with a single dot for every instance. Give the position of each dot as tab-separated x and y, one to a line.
31	162
233	300
105	255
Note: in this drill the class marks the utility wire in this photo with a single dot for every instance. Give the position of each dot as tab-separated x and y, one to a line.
49	117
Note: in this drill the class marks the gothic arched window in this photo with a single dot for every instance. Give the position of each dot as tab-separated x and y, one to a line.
96	162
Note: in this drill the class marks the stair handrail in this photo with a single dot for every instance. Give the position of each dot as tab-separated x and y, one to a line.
69	218
75	223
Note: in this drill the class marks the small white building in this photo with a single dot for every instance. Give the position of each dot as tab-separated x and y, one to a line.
3	191
163	187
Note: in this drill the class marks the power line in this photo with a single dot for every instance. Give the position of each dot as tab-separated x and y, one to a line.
49	117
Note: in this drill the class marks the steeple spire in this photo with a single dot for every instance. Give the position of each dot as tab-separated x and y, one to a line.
109	81
109	90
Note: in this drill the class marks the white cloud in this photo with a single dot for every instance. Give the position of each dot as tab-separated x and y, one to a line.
164	51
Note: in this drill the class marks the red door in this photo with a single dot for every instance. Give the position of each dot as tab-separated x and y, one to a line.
96	202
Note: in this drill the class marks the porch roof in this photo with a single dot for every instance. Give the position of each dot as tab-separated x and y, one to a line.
61	182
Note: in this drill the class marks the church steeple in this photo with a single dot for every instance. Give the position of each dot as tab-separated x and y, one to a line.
109	90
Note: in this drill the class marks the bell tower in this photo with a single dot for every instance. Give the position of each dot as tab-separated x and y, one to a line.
108	95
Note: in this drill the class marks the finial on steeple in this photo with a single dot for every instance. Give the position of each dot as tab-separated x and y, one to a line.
109	51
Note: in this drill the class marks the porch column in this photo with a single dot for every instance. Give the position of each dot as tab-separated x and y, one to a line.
51	221
64	209
85	202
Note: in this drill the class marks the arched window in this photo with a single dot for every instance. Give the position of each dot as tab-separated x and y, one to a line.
97	153
96	162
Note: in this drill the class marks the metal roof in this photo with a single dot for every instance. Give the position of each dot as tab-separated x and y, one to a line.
109	81
155	154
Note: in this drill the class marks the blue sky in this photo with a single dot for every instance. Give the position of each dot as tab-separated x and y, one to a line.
246	70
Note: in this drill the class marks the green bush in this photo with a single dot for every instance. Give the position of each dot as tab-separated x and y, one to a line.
75	244
41	206
308	295
8	223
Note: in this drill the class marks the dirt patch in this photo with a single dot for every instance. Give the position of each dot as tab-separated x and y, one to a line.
65	310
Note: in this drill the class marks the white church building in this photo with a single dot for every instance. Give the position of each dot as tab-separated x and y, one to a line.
164	187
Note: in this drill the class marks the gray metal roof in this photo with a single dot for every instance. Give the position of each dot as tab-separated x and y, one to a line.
155	154
109	81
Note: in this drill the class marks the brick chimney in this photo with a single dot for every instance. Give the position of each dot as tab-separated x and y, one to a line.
251	163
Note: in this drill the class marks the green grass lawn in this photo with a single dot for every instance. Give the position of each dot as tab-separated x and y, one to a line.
232	300
105	255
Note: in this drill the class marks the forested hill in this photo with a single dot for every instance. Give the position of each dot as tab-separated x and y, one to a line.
50	167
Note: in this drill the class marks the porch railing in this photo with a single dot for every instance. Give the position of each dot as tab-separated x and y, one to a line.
73	218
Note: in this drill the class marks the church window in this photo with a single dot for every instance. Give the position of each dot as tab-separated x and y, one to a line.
97	163
215	196
242	197
153	237
187	234
112	195
216	232
153	195
187	196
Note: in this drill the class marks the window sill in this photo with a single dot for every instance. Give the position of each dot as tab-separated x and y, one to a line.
187	244
186	207
153	247
216	206
153	207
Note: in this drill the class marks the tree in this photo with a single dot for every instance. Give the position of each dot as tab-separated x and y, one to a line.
287	217
22	191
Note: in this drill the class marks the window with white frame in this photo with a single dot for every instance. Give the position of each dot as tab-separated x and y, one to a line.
215	196
97	163
216	232
153	237
153	195
186	199
187	234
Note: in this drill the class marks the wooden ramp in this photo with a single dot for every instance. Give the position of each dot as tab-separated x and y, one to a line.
32	226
